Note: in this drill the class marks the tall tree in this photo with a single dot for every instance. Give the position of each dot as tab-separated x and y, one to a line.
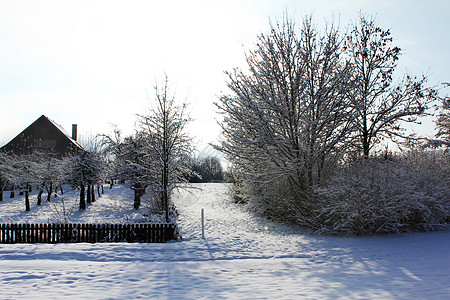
289	111
380	105
443	120
167	141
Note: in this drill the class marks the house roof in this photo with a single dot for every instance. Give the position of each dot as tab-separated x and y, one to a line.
60	128
32	132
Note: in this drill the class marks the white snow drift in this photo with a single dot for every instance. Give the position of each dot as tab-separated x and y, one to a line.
237	259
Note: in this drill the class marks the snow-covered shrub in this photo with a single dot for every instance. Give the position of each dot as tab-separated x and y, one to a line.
383	196
435	161
239	189
277	197
62	210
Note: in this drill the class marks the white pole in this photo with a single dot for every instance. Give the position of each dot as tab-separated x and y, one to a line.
203	224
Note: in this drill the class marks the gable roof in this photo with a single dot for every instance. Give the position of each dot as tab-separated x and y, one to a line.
63	131
44	135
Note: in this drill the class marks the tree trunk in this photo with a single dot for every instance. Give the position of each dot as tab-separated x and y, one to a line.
39	197
49	192
27	201
82	199
165	196
93	193
166	205
137	199
98	190
1	194
88	194
139	190
310	176
12	194
61	189
365	137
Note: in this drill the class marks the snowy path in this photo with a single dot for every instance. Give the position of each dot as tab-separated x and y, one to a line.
237	260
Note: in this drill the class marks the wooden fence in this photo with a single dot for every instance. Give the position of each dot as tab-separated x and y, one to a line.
86	233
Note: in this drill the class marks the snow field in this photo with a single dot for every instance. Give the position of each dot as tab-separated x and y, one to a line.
238	259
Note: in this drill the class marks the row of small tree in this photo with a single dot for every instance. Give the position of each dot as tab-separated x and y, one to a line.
312	103
157	158
44	172
206	169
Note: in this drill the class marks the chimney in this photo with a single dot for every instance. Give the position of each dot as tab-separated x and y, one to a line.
74	132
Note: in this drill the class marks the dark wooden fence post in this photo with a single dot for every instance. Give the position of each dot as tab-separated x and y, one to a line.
29	239
82	233
3	236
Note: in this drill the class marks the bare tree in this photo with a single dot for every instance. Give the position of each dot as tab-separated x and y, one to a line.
24	174
167	143
137	165
95	145
289	112
49	175
205	169
113	149
443	120
327	115
381	105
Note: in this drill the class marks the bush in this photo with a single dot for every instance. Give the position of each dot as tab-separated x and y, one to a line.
239	190
378	195
277	198
386	195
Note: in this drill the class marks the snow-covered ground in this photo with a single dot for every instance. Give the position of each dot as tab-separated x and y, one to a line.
238	259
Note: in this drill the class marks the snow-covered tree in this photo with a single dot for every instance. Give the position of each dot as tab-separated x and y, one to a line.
84	170
113	148
5	170
380	104
136	165
49	174
24	174
443	120
128	160
289	113
205	169
95	146
167	143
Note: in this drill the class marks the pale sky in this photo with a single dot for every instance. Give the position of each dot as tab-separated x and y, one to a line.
92	62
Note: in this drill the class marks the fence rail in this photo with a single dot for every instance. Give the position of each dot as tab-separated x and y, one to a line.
86	233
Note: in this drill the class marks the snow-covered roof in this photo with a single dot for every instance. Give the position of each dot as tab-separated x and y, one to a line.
18	144
60	128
